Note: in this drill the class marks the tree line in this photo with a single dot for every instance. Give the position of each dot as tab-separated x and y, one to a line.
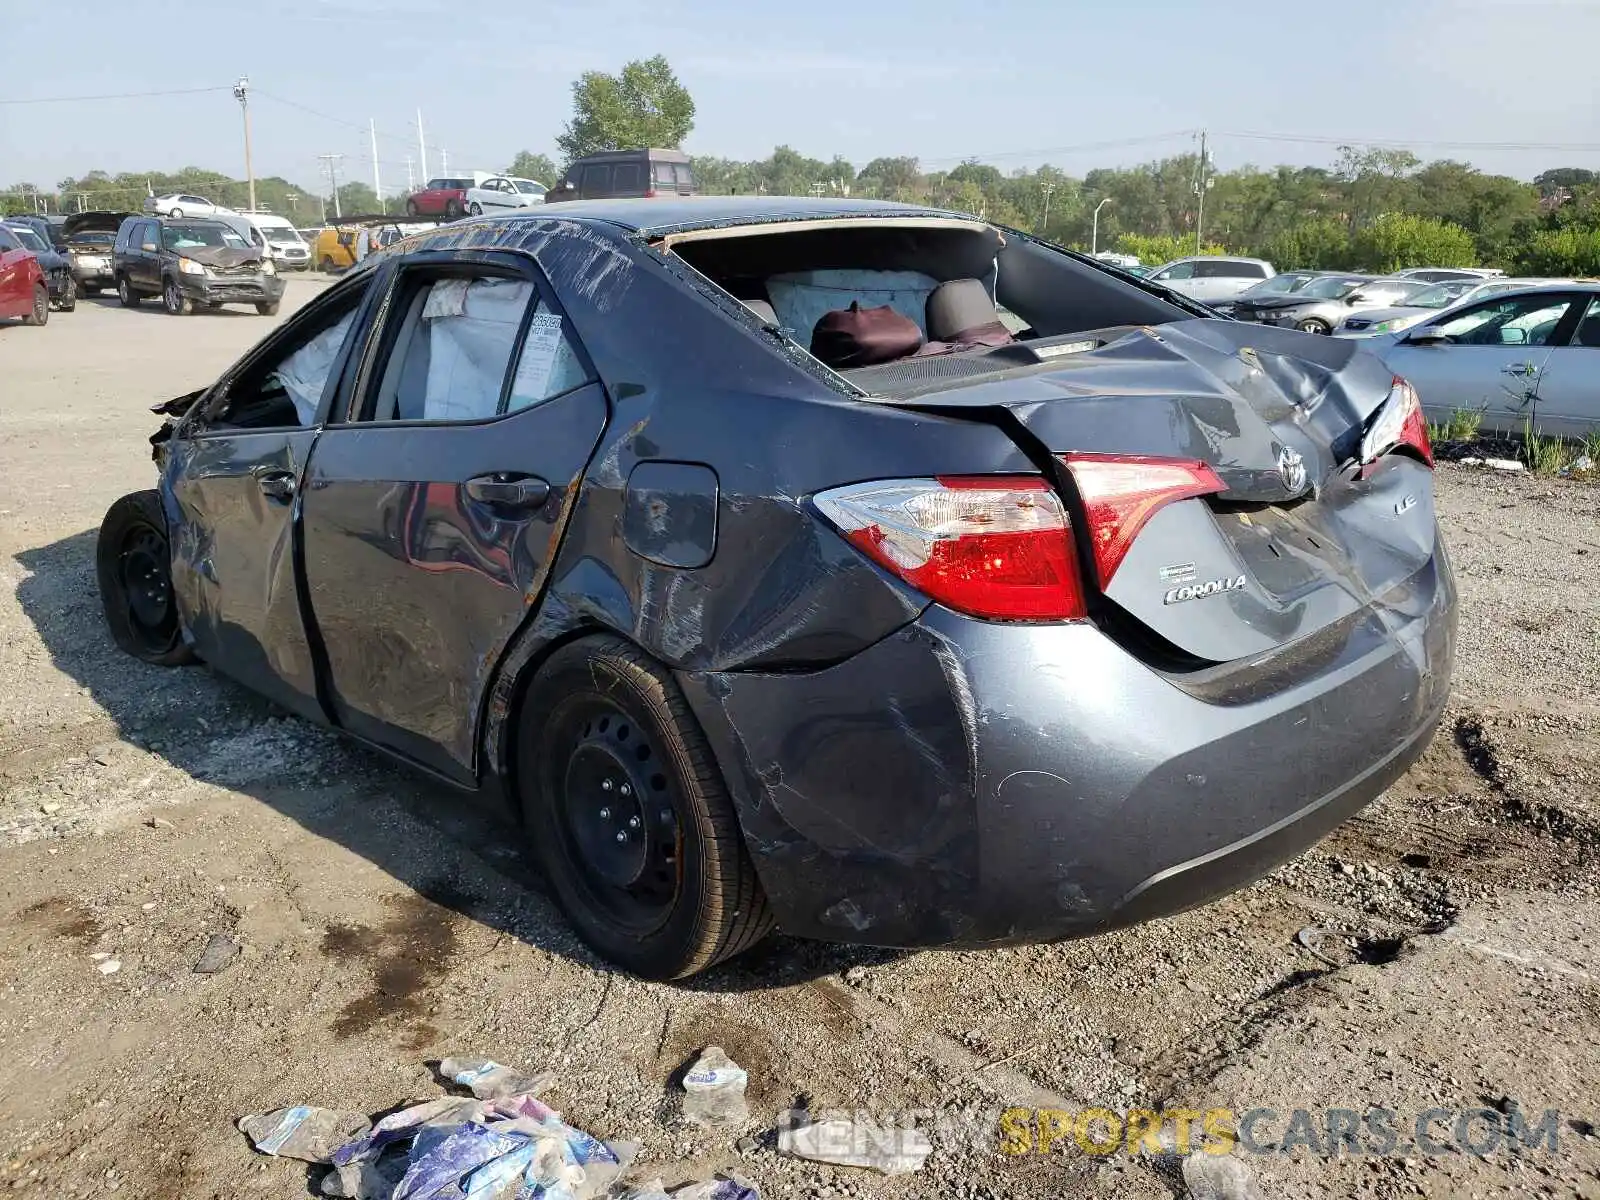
1374	209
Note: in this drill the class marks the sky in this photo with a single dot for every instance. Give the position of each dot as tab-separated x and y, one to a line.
1012	82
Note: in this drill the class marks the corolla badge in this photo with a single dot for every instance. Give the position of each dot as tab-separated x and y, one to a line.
1292	470
1193	591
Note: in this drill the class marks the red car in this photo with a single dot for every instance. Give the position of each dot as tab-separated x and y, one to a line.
23	290
439	198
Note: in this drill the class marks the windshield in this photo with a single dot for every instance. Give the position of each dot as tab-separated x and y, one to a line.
283	237
1278	285
94	237
1330	287
186	237
529	188
29	238
1440	295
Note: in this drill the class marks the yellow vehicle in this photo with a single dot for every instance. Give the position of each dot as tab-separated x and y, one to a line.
346	242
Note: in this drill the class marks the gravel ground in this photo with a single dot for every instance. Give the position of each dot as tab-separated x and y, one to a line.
1443	948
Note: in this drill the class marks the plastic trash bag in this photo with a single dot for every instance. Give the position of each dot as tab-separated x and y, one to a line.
489	1080
845	1143
309	1134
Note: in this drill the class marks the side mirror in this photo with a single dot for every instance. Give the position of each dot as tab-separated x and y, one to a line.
148	246
1428	337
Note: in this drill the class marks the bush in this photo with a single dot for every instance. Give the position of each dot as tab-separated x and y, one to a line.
1560	252
1318	244
1153	250
1396	241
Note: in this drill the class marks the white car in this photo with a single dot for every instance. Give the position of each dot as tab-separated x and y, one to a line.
1424	304
182	204
504	191
1212	277
1518	357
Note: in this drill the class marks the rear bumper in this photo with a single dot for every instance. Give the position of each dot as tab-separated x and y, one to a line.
969	784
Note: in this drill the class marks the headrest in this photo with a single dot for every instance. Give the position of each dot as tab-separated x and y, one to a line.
762	309
957	306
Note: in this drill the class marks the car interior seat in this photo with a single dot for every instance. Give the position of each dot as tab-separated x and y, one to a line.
961	310
1589	332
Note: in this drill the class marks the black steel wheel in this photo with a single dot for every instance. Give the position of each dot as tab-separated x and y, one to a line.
628	816
133	562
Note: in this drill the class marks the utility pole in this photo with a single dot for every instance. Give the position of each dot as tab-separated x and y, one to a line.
444	161
331	163
241	93
377	184
1048	188
1200	185
422	146
1094	236
411	180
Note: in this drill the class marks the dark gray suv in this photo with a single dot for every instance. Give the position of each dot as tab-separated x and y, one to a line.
626	174
190	261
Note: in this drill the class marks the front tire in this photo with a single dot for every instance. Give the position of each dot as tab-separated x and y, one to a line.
628	816
174	301
125	293
475	209
1312	325
411	208
134	566
89	291
39	314
268	308
452	209
175	212
69	299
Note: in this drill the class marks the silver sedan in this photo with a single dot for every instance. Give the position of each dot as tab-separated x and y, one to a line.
1323	303
1525	360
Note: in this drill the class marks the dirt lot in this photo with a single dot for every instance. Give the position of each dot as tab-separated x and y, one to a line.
1452	958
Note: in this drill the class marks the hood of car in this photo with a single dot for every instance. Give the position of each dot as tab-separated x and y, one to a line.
93	222
1365	318
221	256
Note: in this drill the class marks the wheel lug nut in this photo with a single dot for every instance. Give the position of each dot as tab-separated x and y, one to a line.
605	814
605	785
625	790
633	822
621	836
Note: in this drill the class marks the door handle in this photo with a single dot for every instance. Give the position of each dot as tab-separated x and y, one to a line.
275	484
1520	369
509	491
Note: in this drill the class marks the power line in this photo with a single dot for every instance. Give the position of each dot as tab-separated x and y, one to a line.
1111	144
118	95
1406	143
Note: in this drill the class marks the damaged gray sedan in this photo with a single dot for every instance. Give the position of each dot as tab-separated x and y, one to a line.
857	569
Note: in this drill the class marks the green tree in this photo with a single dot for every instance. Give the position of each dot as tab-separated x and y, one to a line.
527	165
1377	181
1320	243
891	178
1561	252
642	106
1162	247
1395	241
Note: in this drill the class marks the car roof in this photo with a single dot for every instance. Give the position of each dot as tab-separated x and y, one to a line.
706	212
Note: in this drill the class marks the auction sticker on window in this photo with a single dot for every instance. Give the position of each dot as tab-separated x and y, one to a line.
538	359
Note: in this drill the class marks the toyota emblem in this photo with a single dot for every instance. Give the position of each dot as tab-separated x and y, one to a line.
1292	470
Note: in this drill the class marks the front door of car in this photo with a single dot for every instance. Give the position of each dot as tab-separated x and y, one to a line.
432	514
1489	357
144	256
231	489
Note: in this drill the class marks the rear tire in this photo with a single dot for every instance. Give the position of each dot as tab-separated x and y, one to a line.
327	265
452	209
89	291
176	212
174	301
626	811
126	294
39	314
69	301
134	565
411	208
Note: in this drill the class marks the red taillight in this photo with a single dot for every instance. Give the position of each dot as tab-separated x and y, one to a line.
994	546
1397	422
1122	492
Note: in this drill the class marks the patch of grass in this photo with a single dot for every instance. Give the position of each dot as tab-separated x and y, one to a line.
1590	444
1461	426
1544	455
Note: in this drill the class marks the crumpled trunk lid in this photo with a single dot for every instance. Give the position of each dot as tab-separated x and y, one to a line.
1295	542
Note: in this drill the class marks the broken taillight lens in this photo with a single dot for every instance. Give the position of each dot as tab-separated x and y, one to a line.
1397	422
1122	492
993	546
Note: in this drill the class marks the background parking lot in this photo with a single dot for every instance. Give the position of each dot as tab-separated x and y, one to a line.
1441	949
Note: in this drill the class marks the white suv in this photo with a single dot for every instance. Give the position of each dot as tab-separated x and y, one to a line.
1212	277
